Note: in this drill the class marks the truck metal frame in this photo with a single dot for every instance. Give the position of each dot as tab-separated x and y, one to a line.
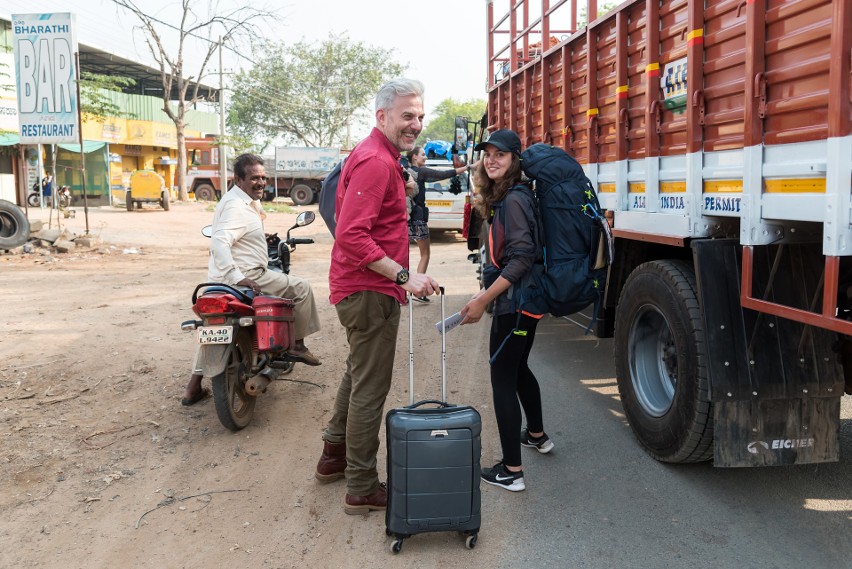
719	135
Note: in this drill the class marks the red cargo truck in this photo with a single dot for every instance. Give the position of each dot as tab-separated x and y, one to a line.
718	134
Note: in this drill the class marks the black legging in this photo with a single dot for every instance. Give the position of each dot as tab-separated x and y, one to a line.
512	380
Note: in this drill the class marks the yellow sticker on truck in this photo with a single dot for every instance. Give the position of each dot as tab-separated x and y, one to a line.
439	203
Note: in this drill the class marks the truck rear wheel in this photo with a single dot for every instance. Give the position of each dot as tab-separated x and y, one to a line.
661	363
205	193
302	194
128	201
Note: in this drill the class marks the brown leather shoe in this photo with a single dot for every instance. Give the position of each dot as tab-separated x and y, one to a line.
332	462
304	356
378	500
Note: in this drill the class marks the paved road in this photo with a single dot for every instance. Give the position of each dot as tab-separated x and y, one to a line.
598	501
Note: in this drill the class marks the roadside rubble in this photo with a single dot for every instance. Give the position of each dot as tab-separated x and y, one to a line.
50	240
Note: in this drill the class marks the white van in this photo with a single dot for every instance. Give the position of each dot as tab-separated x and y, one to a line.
446	199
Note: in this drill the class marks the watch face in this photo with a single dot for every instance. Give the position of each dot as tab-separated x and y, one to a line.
402	277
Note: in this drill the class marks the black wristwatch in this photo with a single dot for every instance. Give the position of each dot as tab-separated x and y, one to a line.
402	276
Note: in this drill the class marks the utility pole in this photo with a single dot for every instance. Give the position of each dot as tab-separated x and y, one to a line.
223	150
82	153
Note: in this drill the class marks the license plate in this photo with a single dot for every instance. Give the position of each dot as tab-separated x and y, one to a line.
437	203
215	334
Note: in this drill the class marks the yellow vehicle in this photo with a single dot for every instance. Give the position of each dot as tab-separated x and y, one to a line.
146	186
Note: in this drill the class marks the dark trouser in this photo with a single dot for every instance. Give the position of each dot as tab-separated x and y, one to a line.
371	320
511	380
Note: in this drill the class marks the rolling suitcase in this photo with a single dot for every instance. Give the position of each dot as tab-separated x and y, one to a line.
433	461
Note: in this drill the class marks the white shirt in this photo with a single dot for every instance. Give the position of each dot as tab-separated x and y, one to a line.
238	242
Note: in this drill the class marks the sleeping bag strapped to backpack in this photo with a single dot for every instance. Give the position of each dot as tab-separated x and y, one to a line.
576	239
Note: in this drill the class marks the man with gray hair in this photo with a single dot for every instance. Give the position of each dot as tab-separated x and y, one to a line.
368	280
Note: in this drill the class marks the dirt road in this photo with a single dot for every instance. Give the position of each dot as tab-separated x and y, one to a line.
103	467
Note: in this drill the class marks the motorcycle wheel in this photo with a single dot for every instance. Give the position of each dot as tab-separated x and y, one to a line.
64	201
234	406
34	200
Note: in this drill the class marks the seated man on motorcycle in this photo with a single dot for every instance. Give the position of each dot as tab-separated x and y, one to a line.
239	257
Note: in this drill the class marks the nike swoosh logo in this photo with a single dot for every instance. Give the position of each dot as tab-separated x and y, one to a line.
502	478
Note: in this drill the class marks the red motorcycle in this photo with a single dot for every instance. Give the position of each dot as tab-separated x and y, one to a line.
244	337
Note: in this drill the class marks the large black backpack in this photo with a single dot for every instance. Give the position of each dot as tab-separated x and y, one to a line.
576	240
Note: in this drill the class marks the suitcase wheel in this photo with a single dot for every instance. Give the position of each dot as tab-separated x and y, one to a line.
470	541
396	546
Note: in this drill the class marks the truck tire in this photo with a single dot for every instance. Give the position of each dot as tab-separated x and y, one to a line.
14	226
660	361
128	201
164	200
302	194
205	193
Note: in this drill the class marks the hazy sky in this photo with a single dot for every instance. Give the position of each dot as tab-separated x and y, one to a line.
444	49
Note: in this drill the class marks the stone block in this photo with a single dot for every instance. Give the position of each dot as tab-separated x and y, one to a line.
87	241
63	246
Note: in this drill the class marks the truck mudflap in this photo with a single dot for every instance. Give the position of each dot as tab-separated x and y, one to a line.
775	384
776	432
213	359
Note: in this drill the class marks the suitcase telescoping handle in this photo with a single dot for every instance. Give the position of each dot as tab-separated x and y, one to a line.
411	352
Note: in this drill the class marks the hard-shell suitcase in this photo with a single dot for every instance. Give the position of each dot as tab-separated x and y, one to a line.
433	462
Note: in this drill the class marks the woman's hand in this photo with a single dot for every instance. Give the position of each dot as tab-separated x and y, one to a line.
474	309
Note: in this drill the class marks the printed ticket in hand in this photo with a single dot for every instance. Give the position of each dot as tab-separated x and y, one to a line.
450	322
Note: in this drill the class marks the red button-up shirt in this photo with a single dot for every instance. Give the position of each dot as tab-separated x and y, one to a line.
371	220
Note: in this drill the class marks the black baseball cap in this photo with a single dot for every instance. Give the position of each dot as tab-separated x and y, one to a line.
504	139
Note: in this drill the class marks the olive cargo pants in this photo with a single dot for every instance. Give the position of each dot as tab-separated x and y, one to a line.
371	320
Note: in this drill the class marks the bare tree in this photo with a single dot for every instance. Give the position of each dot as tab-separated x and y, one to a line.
230	28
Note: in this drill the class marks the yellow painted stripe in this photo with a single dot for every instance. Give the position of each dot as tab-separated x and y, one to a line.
673	187
636	187
723	186
652	67
621	89
592	112
606	188
695	34
795	185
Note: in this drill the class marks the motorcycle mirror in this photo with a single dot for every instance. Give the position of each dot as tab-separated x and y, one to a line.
207	231
305	218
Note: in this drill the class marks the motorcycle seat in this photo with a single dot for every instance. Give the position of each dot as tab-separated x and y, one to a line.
229	290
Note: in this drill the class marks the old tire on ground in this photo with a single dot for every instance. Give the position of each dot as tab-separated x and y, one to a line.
661	363
302	194
128	201
164	200
14	226
205	193
234	406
